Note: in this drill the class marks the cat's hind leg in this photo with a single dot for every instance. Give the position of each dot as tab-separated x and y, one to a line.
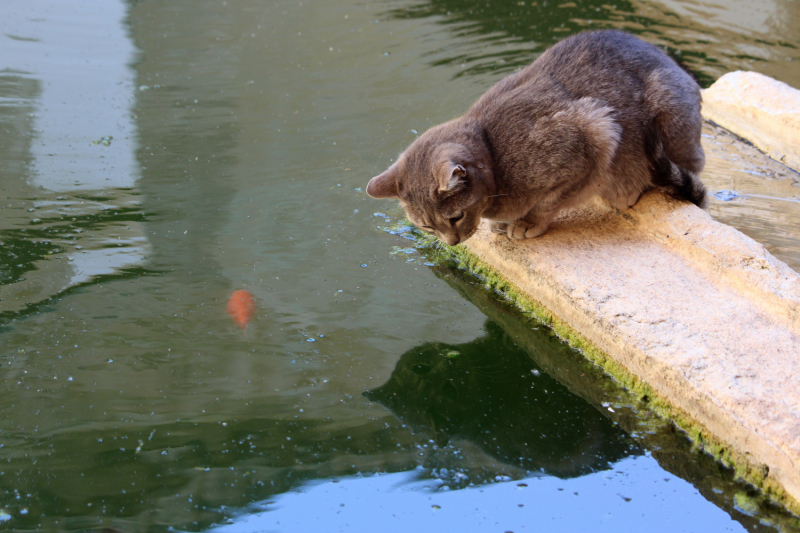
633	198
673	135
624	201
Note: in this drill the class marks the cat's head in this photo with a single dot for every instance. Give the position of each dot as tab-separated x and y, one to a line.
443	181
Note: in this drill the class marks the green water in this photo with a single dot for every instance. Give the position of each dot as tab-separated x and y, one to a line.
156	156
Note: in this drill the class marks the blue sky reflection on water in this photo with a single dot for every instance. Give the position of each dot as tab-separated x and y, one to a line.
600	502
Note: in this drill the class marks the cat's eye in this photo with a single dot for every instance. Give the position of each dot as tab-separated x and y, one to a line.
456	218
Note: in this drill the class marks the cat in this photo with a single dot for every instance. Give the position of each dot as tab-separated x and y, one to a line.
601	113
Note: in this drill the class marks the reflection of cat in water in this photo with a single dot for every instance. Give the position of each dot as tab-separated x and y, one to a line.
489	392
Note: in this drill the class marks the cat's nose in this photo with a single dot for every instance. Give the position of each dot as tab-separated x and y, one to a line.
452	240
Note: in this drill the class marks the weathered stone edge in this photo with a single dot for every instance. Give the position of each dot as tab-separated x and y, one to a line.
760	109
728	254
745	467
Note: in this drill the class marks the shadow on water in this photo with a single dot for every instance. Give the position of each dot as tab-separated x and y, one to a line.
491	393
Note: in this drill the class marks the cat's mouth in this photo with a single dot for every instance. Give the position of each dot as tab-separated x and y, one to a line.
461	238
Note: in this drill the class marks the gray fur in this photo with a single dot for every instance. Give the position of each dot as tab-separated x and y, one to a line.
600	114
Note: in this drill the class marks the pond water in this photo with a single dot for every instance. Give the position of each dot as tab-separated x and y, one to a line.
156	156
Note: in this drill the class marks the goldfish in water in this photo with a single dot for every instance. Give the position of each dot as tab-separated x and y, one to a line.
241	307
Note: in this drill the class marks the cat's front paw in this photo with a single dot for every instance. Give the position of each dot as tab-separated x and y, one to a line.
522	229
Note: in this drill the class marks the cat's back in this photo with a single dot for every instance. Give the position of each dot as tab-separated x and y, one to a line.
608	64
598	59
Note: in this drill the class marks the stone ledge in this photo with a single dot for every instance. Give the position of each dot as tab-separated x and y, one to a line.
702	315
683	303
760	109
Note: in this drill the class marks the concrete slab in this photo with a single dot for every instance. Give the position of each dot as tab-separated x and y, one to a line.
760	109
689	310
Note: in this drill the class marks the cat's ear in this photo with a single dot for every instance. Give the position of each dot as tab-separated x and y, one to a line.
452	177
385	185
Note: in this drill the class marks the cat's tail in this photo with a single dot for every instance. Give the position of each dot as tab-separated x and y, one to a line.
678	182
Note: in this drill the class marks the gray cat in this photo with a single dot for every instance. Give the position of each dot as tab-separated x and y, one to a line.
599	114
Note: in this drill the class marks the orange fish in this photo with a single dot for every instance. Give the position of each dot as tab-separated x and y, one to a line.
241	307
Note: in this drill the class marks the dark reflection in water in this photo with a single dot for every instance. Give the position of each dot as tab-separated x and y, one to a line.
490	392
